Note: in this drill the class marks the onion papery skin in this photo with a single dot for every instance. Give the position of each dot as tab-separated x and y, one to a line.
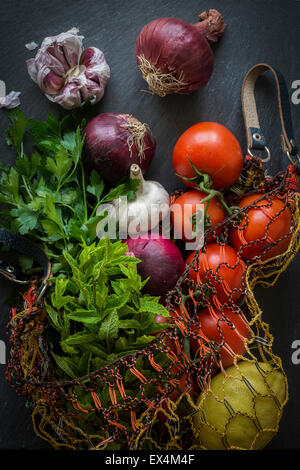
173	46
160	259
111	147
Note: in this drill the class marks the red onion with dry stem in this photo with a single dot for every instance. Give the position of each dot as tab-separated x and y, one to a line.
174	56
113	142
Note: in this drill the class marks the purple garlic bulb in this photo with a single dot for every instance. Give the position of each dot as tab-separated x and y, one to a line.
66	74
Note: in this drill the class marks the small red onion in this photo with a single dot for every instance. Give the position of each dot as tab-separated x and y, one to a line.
114	142
160	259
175	56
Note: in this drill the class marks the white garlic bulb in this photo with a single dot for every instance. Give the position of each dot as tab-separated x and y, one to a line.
144	213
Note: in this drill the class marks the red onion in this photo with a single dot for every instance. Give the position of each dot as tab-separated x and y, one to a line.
114	142
175	56
160	259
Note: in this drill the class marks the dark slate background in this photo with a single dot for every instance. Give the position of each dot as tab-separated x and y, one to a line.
258	31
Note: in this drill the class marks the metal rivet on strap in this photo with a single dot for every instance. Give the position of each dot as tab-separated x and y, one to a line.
257	137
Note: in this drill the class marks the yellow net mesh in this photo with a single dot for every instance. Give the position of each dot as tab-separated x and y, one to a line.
161	397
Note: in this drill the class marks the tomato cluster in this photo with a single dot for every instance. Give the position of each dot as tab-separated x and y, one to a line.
208	158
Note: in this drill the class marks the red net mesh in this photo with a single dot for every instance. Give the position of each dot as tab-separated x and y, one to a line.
148	399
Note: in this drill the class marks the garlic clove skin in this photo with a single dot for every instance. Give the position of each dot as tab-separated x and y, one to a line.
58	54
30	46
149	208
69	98
65	47
97	69
11	100
92	56
68	76
79	88
38	70
49	82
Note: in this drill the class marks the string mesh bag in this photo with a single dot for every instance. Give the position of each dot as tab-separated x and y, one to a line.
187	389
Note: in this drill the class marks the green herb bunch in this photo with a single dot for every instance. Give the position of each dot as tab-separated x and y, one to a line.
48	195
99	311
95	306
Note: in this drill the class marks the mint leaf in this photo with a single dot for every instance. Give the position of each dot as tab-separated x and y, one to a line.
96	350
115	302
88	317
84	363
158	327
79	338
142	341
130	323
109	327
66	365
149	304
70	350
53	317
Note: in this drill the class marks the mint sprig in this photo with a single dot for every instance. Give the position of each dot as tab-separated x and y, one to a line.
100	308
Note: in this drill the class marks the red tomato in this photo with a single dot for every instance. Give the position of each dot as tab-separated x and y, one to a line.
229	275
213	150
257	229
186	205
232	336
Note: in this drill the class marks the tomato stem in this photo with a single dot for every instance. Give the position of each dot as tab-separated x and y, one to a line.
204	183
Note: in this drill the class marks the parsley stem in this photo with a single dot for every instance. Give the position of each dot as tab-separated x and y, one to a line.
84	194
98	204
27	188
96	207
58	187
70	208
69	176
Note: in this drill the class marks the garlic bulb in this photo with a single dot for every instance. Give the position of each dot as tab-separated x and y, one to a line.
66	74
144	213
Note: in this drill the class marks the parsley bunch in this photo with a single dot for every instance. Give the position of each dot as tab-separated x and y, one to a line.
48	195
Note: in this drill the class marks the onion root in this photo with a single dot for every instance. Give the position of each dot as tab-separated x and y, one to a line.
161	84
137	132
